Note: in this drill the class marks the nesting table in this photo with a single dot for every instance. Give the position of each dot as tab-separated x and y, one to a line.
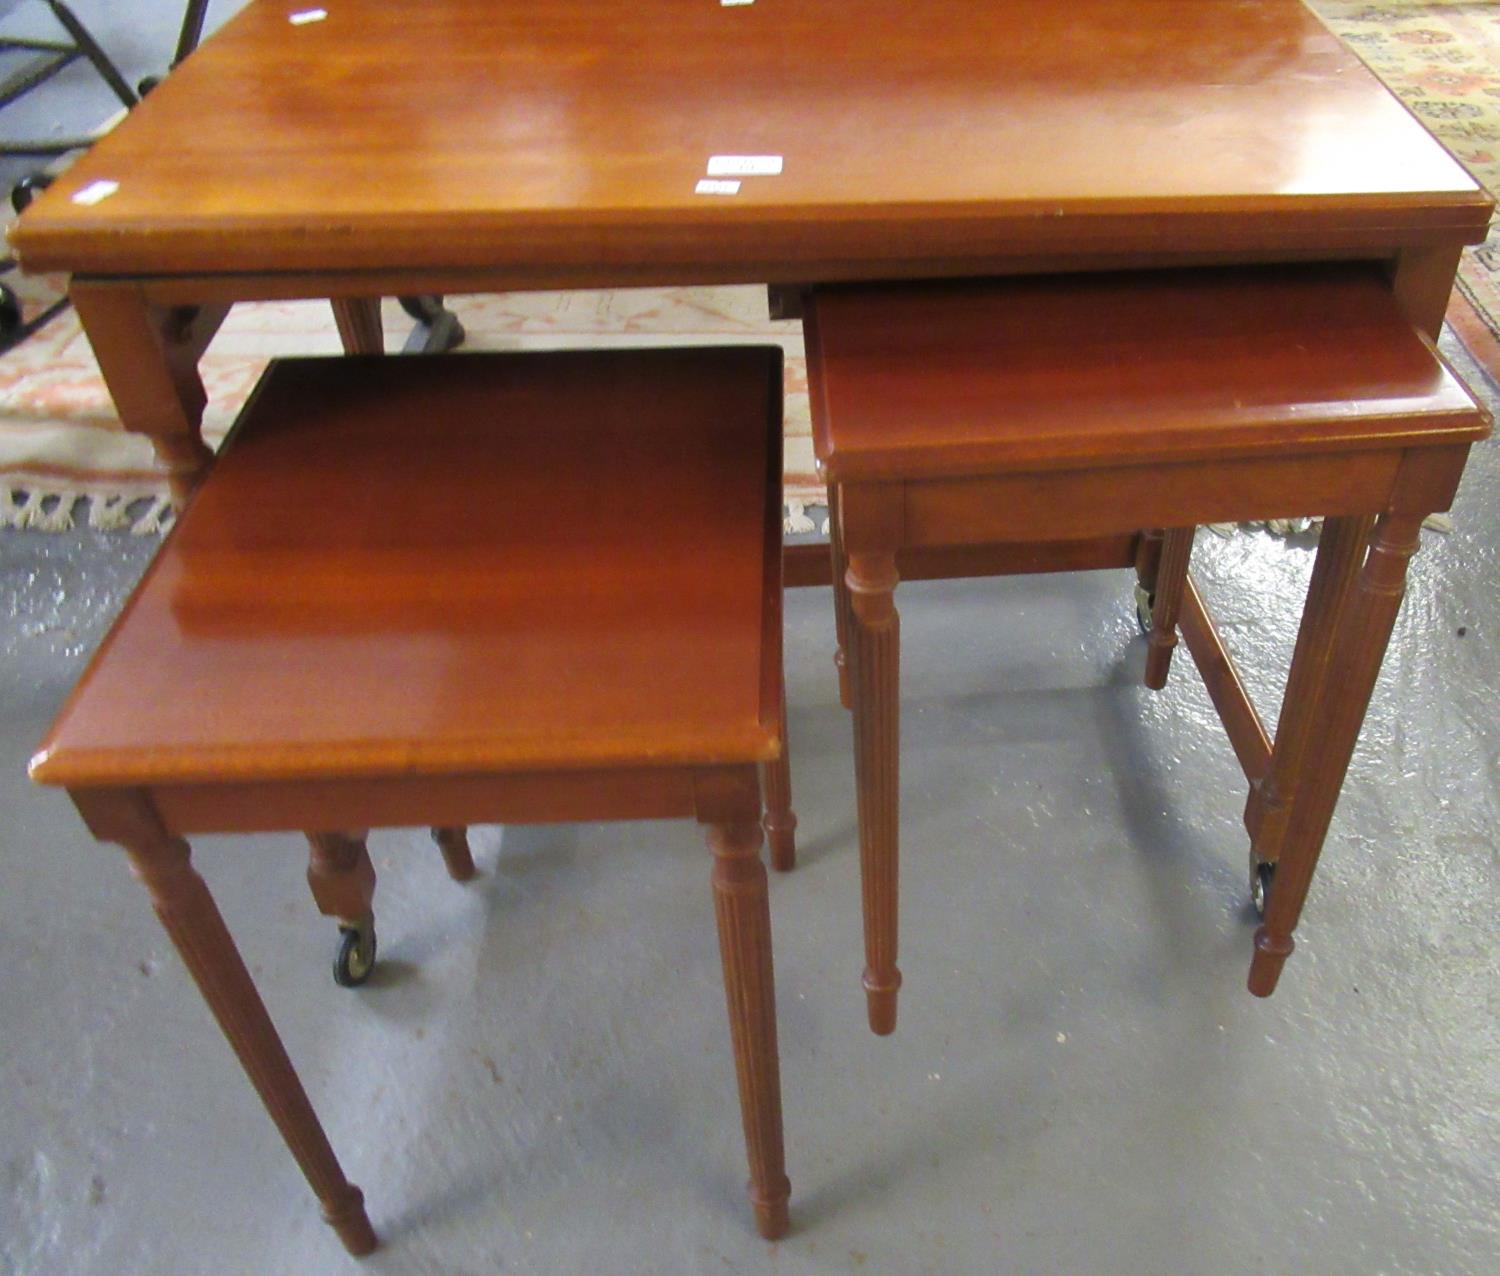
385	148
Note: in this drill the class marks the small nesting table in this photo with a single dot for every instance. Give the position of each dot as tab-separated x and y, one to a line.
427	591
1036	424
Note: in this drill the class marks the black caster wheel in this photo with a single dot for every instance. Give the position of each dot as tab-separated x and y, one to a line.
10	311
356	955
1262	875
27	189
1143	603
146	85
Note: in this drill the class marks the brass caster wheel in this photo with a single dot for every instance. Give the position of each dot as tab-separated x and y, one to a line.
356	955
1262	875
1144	602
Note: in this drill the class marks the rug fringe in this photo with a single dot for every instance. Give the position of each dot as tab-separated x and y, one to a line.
48	509
51	510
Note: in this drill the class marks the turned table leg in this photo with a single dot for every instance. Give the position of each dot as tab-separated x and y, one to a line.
874	631
841	610
148	355
192	920
343	884
454	844
1166	603
779	821
1347	636
743	914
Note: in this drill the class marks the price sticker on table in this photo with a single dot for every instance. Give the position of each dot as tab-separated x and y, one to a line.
744	165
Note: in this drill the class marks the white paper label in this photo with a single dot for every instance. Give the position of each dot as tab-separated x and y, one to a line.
95	191
708	187
304	16
744	165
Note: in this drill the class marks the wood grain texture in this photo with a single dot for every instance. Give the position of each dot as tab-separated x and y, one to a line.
980	378
349	597
951	131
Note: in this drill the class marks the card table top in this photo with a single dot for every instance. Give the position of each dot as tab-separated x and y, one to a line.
946	136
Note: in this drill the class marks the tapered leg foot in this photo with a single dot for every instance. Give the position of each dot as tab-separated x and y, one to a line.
1270	957
743	914
454	844
772	1218
880	1001
874	630
349	1220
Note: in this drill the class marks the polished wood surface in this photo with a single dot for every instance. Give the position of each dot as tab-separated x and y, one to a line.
970	378
1054	415
422	591
552	133
353	553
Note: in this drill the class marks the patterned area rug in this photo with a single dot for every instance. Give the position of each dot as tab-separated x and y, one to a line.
62	450
1442	58
63	456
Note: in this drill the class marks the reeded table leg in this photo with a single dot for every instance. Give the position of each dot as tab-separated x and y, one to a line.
744	917
779	821
1361	622
841	611
454	844
875	634
1166	606
1341	552
190	917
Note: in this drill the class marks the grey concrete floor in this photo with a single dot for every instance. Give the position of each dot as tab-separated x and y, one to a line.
538	1080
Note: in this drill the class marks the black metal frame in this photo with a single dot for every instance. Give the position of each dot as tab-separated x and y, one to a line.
56	55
